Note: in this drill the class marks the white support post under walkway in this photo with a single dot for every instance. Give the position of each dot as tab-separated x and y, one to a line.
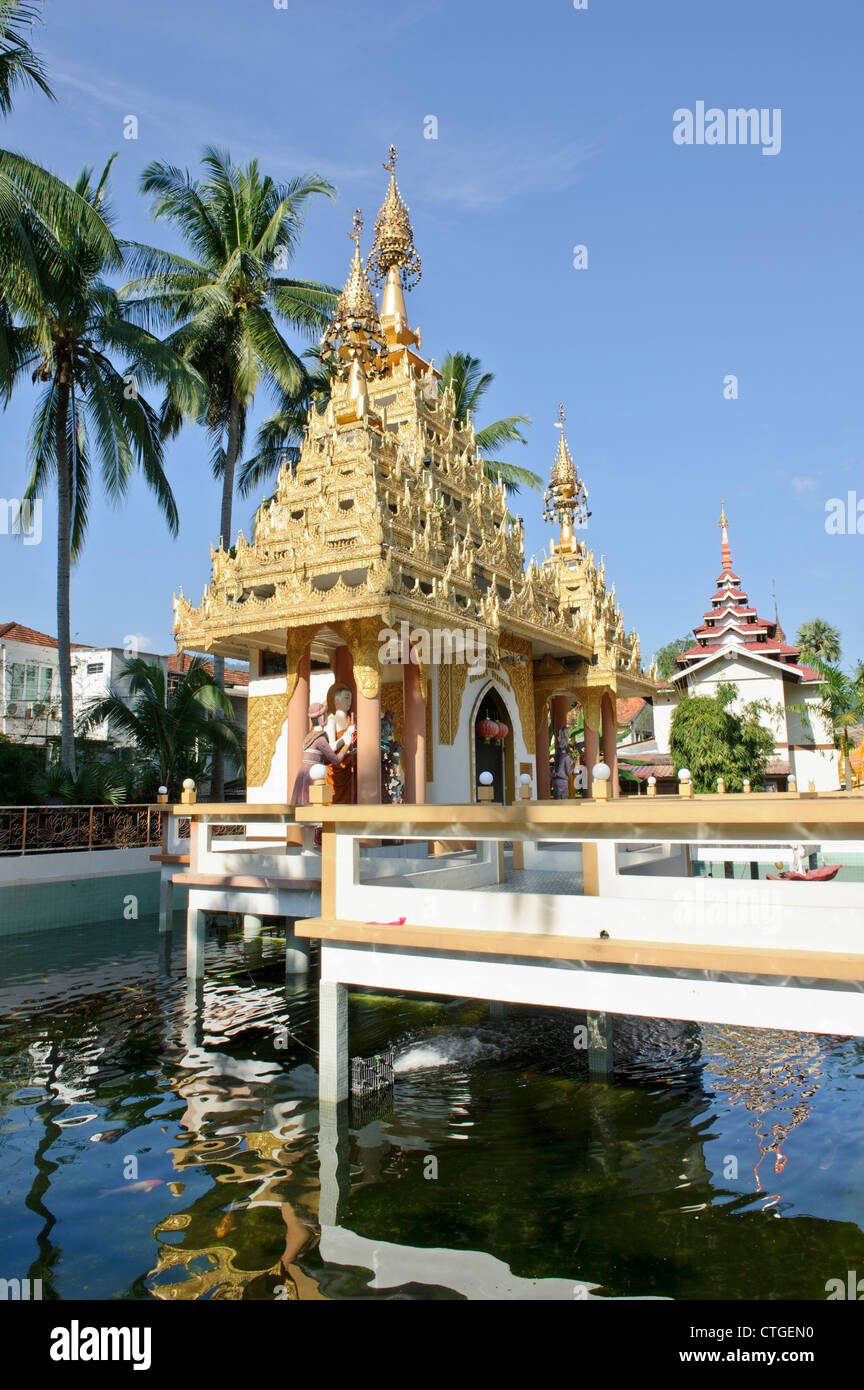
166	897
196	942
296	951
600	1045
332	1041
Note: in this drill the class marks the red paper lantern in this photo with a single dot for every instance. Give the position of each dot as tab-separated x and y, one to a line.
503	731
487	729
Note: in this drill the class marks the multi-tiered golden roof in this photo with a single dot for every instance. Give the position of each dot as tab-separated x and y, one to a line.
389	515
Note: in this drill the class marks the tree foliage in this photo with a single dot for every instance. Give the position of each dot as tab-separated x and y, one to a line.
666	656
818	642
470	383
712	740
175	734
20	766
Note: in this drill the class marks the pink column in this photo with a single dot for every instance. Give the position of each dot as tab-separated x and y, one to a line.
298	722
368	748
343	669
560	709
415	736
610	741
541	750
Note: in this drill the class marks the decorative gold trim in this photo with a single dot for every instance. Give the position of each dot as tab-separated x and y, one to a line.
265	721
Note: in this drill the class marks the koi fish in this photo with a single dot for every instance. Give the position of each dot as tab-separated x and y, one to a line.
146	1185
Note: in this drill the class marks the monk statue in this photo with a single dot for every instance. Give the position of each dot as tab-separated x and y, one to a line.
317	749
339	722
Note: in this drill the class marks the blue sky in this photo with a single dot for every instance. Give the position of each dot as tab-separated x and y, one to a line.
555	129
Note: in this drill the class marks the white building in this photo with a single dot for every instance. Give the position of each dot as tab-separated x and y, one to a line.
733	645
30	686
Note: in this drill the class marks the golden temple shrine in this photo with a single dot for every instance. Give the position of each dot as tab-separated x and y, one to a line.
387	559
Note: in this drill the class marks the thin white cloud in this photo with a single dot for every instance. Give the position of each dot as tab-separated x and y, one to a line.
491	169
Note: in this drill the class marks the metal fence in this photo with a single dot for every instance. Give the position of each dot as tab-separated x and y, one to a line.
53	829
43	829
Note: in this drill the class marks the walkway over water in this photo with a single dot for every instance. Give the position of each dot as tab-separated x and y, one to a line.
595	907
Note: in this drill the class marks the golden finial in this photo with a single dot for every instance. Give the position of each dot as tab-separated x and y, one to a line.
355	328
566	497
722	522
394	236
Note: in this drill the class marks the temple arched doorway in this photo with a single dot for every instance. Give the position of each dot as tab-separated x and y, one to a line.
492	754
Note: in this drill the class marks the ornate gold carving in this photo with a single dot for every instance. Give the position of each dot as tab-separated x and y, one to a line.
265	722
394	236
591	702
387	516
362	636
445	734
458	681
521	675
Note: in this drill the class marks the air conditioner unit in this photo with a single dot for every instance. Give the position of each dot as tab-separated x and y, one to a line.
39	709
13	710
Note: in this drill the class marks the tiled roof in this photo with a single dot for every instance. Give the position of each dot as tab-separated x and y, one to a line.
641	765
627	710
180	663
17	632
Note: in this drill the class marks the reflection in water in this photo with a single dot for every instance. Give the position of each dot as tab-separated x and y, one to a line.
157	1142
770	1074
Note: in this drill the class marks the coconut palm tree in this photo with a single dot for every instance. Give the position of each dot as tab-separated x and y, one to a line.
32	201
171	729
224	305
20	66
90	413
463	372
841	700
818	641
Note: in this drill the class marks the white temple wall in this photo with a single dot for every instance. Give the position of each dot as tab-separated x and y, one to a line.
455	774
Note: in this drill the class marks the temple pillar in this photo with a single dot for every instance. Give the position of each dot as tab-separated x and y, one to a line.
610	740
368	748
343	669
590	702
415	735
298	721
544	782
560	706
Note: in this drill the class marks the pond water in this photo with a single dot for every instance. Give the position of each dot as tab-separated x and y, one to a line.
157	1146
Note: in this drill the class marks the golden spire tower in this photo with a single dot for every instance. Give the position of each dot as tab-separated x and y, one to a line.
354	334
393	260
393	247
566	496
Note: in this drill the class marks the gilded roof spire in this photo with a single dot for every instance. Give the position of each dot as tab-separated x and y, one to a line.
566	497
355	328
393	245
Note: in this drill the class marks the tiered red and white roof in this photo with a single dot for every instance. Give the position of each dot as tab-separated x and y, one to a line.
731	626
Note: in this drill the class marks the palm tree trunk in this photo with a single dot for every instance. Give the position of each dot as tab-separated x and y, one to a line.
217	776
64	545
